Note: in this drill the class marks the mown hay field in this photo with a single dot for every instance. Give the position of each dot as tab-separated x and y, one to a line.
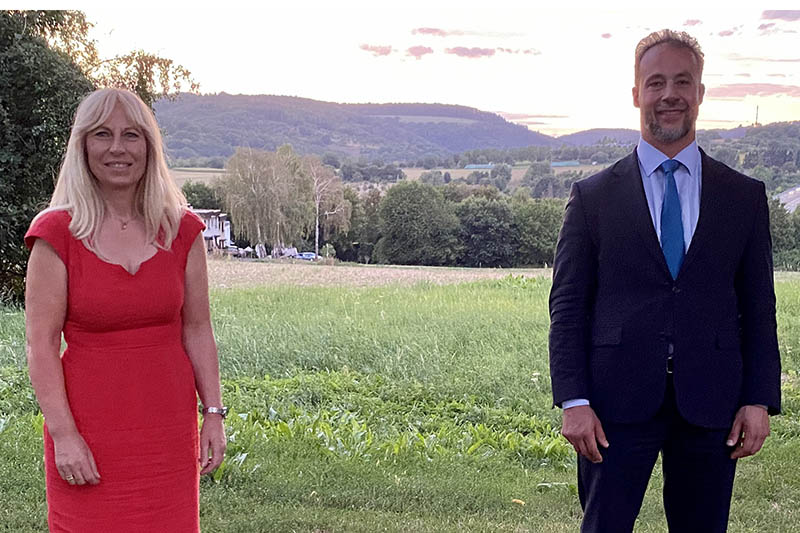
393	399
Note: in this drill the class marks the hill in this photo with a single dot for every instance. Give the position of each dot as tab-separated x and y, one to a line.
594	136
214	125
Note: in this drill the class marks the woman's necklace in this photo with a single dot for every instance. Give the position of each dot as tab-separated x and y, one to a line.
123	223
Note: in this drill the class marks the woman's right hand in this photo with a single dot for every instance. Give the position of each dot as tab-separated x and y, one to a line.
74	460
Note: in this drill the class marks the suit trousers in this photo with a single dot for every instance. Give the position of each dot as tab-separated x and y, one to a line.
697	470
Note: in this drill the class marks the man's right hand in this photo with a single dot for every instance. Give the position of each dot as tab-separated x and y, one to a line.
581	427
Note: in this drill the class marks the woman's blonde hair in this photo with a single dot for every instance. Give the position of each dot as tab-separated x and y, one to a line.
158	199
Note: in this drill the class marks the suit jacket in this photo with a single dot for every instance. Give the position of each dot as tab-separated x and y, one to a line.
616	312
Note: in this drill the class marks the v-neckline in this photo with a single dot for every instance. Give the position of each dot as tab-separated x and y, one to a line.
138	266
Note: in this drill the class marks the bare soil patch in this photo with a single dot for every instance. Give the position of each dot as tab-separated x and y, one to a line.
231	273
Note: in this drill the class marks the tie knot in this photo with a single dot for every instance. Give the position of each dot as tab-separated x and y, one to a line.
669	166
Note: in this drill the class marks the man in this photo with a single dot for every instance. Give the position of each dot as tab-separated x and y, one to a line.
663	335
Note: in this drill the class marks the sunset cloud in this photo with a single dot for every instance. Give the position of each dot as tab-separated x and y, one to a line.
472	53
436	32
740	90
692	22
528	51
766	26
776	75
439	32
778	14
419	51
725	33
737	57
606	36
377	51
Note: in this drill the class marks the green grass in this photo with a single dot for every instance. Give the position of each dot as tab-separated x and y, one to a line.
396	409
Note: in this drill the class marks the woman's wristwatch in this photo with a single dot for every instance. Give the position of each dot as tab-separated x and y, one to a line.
222	411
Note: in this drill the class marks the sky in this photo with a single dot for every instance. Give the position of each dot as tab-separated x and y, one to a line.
554	69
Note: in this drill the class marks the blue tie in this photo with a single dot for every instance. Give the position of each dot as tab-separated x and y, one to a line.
671	224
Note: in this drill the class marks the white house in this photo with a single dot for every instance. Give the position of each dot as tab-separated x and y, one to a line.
218	228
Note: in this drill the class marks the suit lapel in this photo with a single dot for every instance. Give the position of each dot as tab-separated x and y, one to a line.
709	211
635	204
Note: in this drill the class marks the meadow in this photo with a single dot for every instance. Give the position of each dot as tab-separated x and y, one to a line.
370	399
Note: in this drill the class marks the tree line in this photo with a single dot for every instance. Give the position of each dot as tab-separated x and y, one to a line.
281	198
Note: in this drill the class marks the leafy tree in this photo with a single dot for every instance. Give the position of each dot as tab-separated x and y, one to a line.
418	226
537	223
39	91
432	177
781	227
268	196
201	196
148	75
487	233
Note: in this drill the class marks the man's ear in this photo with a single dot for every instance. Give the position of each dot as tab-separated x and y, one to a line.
635	93
702	93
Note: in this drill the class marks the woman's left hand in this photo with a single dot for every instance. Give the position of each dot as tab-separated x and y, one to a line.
212	443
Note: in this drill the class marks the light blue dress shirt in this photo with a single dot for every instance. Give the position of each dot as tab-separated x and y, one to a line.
688	179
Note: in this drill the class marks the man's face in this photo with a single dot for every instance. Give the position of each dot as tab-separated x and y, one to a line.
668	94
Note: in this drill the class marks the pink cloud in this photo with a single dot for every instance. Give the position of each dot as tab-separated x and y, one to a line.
692	22
437	32
776	75
740	90
471	53
725	33
766	26
736	57
518	51
606	36
419	51
778	14
377	51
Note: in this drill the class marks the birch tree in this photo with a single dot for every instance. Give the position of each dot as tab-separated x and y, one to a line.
331	209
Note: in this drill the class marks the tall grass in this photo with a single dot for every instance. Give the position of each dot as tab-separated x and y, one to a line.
421	408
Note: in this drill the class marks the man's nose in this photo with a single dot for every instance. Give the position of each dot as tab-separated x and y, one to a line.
670	91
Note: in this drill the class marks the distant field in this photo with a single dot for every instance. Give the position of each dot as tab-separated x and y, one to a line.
228	273
205	175
517	172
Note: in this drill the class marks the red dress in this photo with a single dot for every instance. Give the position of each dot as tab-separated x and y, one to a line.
130	387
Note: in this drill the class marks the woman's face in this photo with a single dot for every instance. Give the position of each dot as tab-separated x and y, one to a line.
117	152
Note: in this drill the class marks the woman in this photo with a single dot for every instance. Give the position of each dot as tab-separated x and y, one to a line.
118	265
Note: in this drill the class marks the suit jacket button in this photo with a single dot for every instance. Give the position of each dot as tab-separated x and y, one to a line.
676	289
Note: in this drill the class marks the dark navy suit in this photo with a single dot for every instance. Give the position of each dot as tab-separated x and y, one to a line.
617	315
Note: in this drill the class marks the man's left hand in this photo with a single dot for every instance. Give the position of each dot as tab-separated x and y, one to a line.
750	429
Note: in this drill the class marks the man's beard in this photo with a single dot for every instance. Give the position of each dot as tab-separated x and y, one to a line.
670	135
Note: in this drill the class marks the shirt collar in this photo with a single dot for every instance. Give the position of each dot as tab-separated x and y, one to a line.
651	158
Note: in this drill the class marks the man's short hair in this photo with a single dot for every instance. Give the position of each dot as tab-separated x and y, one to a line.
674	38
